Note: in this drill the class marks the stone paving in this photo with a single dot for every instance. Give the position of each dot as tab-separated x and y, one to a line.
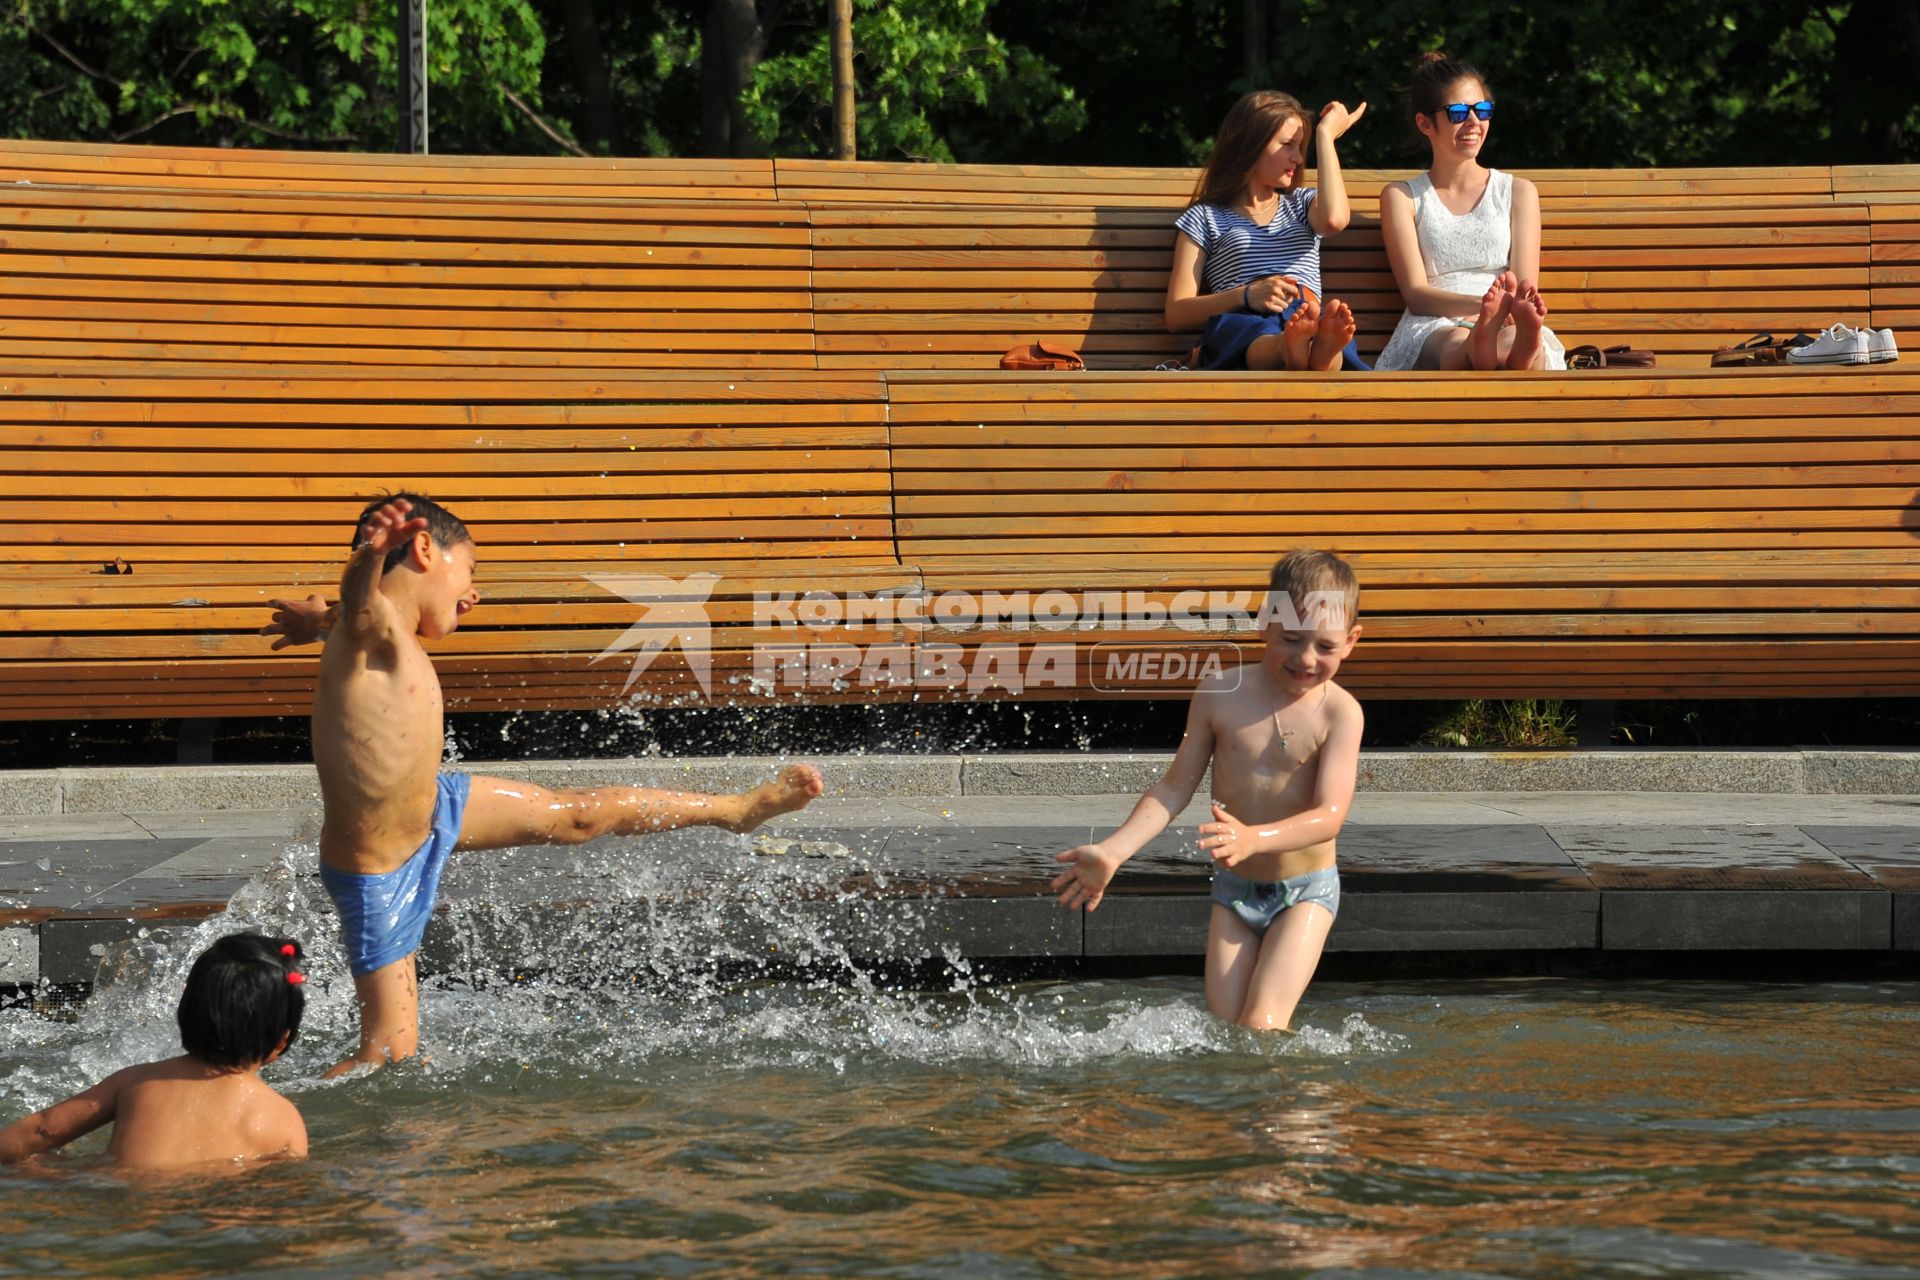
1585	872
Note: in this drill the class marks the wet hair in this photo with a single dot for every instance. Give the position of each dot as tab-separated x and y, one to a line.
445	528
1244	135
1435	72
1299	575
241	998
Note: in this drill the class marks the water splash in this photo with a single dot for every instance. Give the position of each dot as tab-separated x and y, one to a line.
734	958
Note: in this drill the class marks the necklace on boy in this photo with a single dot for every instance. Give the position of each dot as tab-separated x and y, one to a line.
1280	729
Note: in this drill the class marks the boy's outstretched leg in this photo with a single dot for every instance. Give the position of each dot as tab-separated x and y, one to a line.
1288	956
389	1000
502	813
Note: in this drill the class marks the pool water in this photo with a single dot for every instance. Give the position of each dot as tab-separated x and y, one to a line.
702	1123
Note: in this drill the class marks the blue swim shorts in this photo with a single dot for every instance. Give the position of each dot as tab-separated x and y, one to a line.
383	917
1259	902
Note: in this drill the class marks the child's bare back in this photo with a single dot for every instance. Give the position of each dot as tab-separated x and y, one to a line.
241	1010
181	1112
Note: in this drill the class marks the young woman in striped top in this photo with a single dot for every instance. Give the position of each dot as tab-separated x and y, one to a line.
1246	261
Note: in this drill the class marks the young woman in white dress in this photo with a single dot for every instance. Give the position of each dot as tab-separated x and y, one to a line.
1464	240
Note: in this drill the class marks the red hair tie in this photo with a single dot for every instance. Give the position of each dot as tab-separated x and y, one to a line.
288	949
296	978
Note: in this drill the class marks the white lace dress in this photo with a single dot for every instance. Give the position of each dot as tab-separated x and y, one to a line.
1463	254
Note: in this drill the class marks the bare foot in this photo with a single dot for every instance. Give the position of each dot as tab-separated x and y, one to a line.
1331	334
1529	323
798	786
1485	342
1296	337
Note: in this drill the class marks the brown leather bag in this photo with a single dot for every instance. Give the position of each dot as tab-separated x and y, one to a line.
1042	355
1621	357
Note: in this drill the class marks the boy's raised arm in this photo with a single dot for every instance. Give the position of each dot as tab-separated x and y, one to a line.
1231	841
363	612
61	1123
1090	867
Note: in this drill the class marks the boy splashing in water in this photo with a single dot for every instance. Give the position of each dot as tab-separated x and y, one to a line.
240	1011
391	816
1284	741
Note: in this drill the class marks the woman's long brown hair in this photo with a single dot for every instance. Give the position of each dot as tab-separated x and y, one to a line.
1244	135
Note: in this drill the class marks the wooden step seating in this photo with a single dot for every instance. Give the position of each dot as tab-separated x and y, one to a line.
363	174
222	492
189	277
1748	533
1679	264
1892	196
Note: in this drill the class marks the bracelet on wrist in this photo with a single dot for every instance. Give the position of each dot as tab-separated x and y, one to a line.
1246	296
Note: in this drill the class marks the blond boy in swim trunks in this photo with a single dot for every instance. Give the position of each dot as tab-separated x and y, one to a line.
391	816
1284	741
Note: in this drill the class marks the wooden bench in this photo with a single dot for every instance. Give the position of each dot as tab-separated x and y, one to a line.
132	274
1750	533
1680	532
360	174
1650	261
221	491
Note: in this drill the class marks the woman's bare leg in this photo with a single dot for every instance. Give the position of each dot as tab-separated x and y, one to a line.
1446	351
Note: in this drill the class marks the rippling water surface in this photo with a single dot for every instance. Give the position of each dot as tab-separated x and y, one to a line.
698	1125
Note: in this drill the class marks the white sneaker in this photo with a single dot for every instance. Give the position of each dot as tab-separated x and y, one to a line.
1881	347
1836	345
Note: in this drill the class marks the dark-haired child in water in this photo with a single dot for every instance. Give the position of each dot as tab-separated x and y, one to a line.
1246	260
240	1011
391	816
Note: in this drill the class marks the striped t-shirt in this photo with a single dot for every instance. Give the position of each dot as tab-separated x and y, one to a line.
1240	250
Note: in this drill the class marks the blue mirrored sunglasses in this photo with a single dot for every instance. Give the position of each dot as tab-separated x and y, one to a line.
1457	111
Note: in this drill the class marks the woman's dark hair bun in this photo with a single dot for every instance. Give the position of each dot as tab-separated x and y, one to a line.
1428	58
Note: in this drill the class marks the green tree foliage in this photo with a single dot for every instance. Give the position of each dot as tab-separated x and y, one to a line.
934	83
1606	82
260	72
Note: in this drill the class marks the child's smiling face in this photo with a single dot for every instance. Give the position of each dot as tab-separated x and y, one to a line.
447	592
1300	658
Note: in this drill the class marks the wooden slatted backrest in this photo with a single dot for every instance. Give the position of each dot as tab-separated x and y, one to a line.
374	174
138	274
1679	262
223	487
1892	196
1605	535
660	467
1048	467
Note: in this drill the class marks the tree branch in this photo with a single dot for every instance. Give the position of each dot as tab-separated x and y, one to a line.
70	56
160	119
542	125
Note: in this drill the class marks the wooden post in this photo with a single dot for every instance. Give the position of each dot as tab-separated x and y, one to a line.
413	76
845	146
